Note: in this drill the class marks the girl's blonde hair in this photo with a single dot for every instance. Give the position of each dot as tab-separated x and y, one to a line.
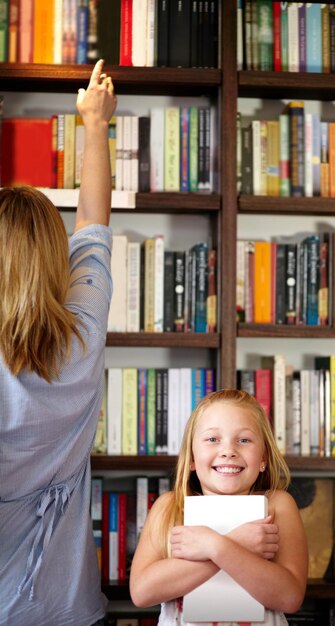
275	476
35	326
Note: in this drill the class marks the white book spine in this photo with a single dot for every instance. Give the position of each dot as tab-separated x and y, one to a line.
305	412
114	411
293	37
127	152
117	318
133	287
159	284
119	154
58	31
142	503
151	25
157	119
134	153
173	410
139	32
79	153
279	403
185	399
314	416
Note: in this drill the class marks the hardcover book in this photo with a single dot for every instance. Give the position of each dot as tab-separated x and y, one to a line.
221	598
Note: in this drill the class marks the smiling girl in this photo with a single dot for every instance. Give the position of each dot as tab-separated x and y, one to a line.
229	449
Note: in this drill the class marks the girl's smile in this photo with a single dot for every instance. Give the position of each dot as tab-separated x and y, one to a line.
228	450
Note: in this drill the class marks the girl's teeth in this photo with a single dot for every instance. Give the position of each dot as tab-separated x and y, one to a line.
228	470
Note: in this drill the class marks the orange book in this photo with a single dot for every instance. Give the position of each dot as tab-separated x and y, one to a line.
262	282
13	31
43	31
26	145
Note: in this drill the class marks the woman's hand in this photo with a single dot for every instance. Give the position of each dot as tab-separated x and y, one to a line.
98	101
260	537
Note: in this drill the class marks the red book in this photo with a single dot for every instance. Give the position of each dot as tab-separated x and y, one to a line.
126	32
276	36
122	526
27	144
263	390
105	537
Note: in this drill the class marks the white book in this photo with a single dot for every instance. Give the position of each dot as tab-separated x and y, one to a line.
279	394
221	598
185	399
127	153
305	413
139	32
293	36
151	26
119	154
133	286
141	503
117	317
58	31
79	151
114	411
173	410
157	120
159	284
314	416
134	153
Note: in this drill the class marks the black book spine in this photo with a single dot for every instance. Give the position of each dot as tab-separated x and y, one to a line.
247	187
280	283
179	291
179	33
291	265
194	34
163	33
109	45
144	154
168	291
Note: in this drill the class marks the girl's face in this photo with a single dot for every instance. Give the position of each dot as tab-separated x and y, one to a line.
228	450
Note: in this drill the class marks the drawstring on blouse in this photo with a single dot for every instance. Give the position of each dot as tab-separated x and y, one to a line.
51	506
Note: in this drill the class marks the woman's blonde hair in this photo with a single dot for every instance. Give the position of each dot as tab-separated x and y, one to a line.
275	476
35	326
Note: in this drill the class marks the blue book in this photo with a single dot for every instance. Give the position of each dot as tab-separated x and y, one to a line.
184	149
113	536
142	411
198	385
201	286
311	285
82	31
314	37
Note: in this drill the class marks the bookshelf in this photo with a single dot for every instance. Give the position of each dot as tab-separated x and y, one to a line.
221	208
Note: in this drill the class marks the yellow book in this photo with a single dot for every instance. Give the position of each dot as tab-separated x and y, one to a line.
43	46
273	158
69	149
129	410
149	285
172	149
112	147
262	282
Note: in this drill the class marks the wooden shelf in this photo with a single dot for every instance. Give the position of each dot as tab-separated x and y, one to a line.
166	463
287	206
131	80
286	85
285	330
181	202
163	340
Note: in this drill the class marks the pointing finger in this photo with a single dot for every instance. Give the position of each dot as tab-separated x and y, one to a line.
95	76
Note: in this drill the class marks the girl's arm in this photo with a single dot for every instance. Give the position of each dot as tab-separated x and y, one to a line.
154	578
96	106
279	584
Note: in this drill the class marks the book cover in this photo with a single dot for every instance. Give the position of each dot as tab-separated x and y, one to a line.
113	536
27	144
144	164
157	132
126	32
117	317
129	411
114	411
173	410
220	598
133	286
179	33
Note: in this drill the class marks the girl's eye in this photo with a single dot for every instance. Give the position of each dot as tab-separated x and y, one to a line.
244	440
212	439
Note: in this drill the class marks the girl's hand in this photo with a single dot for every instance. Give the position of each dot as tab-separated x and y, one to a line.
194	543
98	101
260	537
